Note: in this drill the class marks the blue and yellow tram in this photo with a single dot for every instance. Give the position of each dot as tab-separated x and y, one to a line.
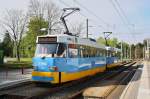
113	57
62	58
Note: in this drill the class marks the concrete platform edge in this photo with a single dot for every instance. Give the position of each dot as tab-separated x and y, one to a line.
129	84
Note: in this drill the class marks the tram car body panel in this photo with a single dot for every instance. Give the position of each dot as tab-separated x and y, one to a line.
113	57
63	58
113	62
71	69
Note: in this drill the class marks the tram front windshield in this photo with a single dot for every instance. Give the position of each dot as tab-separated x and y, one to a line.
49	50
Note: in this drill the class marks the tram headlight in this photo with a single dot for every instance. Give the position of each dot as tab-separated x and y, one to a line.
53	68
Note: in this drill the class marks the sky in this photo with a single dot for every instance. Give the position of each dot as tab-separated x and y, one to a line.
128	20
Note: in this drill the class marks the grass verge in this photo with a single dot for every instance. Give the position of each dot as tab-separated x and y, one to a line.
13	64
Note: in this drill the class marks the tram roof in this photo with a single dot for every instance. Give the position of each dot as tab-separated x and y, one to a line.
64	38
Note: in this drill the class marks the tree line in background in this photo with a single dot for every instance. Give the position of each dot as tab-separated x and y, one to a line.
21	30
133	51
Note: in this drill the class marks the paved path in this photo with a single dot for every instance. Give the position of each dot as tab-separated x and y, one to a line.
144	88
12	75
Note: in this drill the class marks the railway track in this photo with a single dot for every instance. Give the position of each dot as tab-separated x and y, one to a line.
22	91
94	82
105	89
65	91
30	90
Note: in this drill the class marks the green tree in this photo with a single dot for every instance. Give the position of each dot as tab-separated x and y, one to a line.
101	40
42	14
7	45
15	22
1	45
132	51
139	50
29	41
111	42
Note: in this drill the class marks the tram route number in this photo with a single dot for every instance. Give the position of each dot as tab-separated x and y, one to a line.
47	39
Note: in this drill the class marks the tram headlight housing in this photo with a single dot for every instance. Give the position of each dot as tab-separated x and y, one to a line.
53	68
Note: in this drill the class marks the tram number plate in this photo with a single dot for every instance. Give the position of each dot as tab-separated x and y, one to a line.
47	39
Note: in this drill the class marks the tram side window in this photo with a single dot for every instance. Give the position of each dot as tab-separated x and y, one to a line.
97	52
94	52
73	51
113	54
118	54
80	51
83	51
103	52
91	52
109	53
100	52
87	51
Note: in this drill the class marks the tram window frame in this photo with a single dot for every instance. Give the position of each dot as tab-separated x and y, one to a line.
64	50
100	52
40	49
55	54
97	52
104	52
75	50
88	51
118	54
109	53
94	51
80	51
83	51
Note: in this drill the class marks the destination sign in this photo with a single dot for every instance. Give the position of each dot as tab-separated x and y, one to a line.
47	39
